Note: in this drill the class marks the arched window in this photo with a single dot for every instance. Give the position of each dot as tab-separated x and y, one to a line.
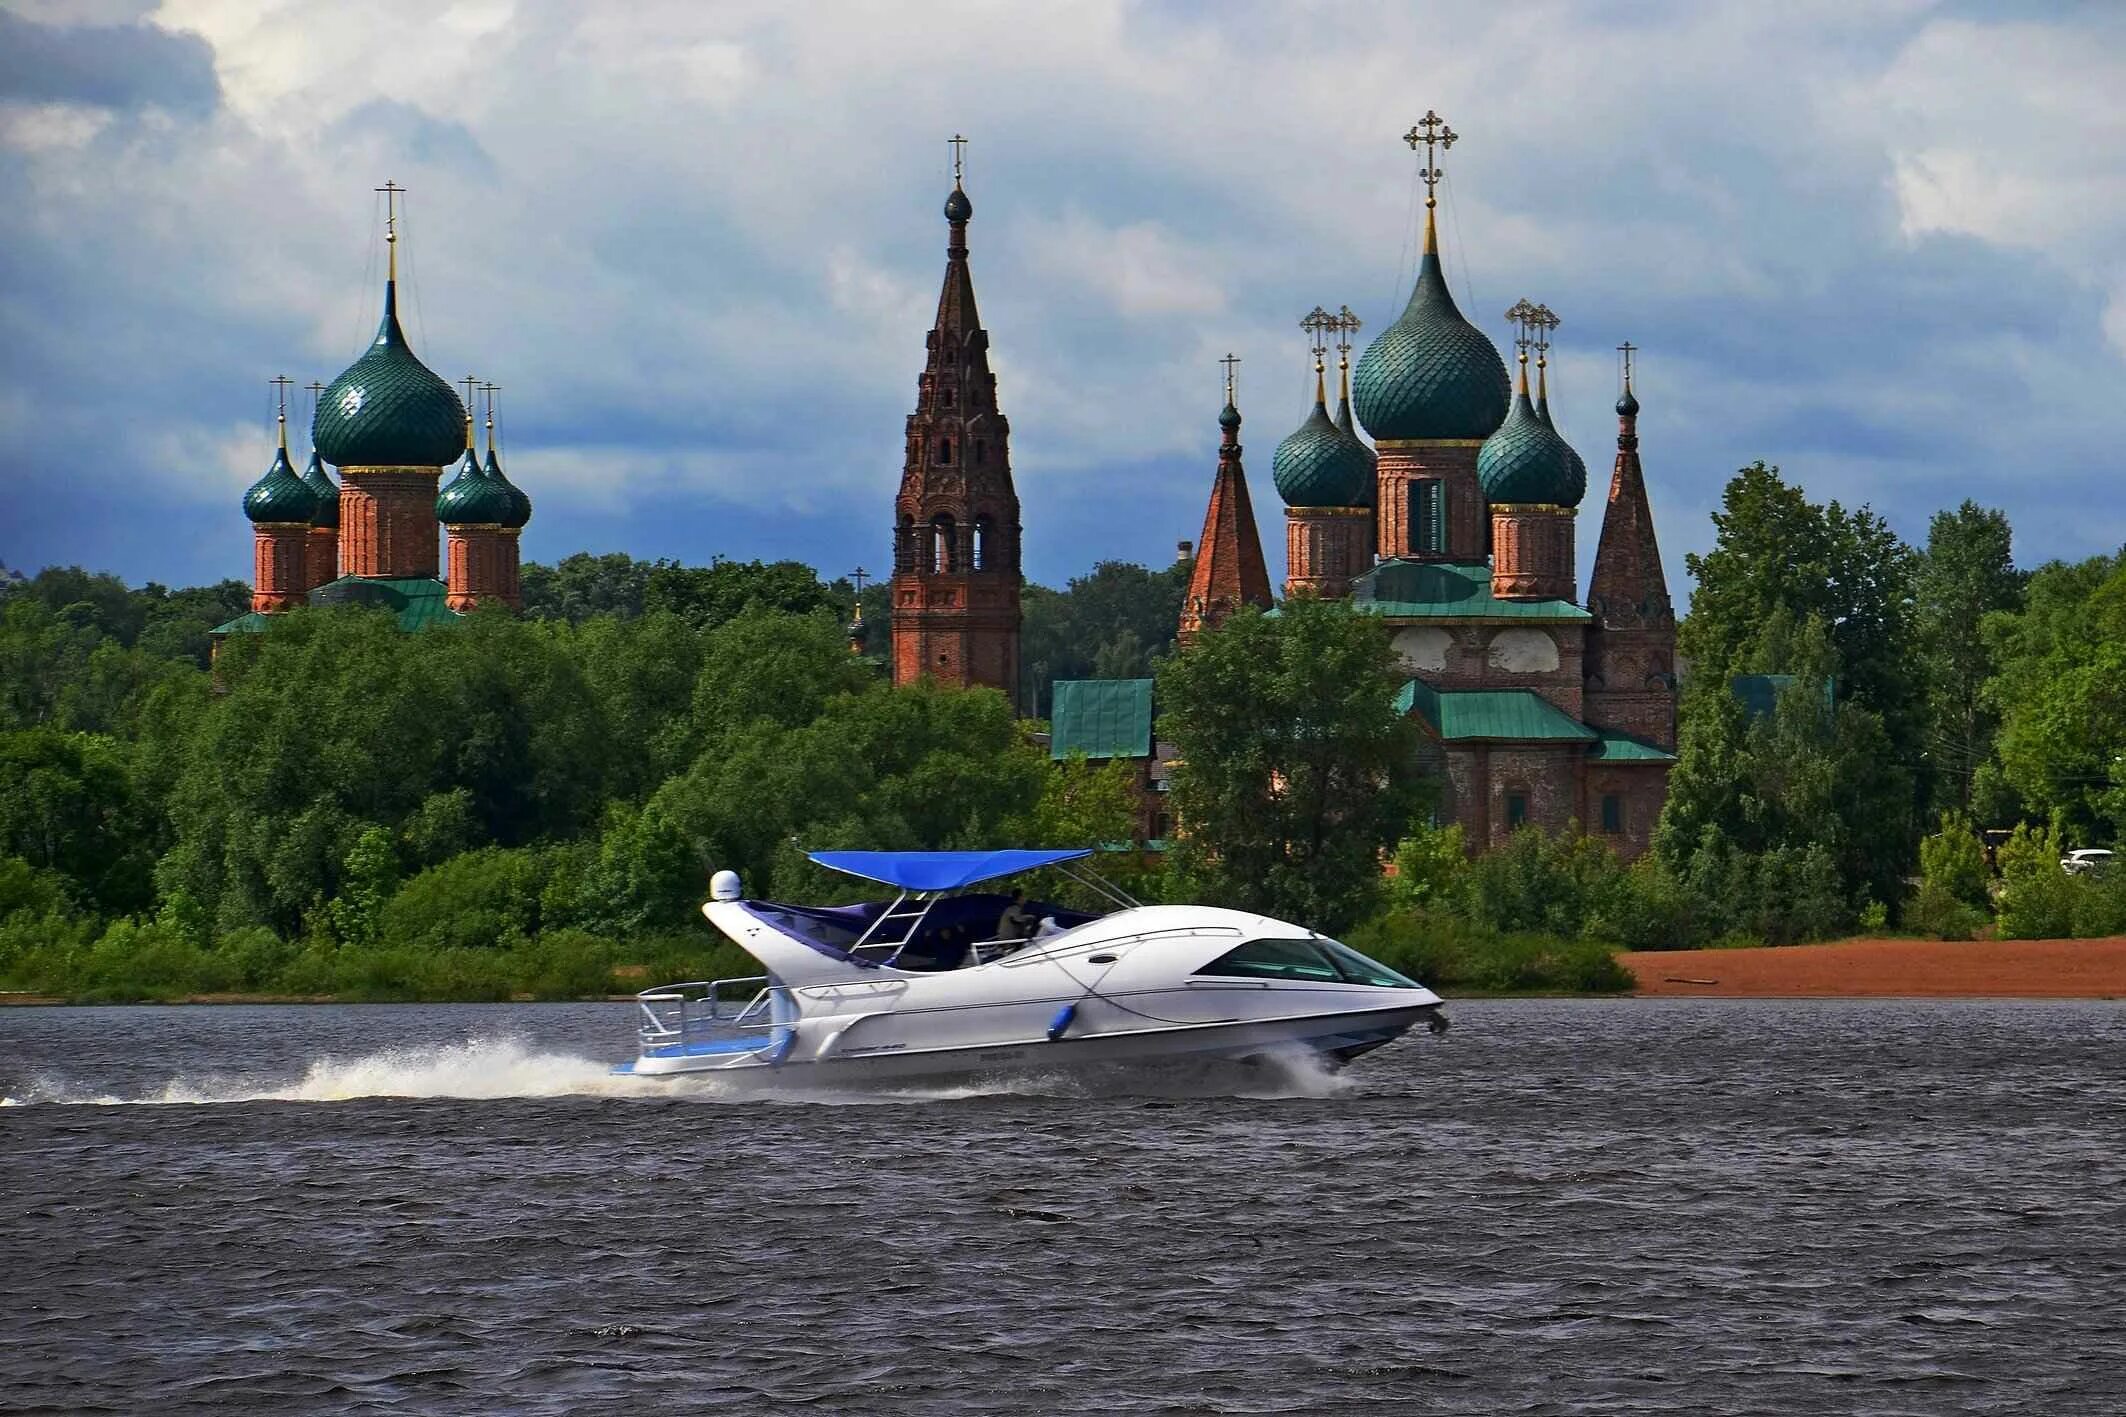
981	452
944	450
944	543
981	543
949	398
904	546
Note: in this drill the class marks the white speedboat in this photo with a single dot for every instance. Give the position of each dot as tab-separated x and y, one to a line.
945	979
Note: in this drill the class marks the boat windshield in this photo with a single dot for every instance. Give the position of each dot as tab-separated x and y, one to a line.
1318	959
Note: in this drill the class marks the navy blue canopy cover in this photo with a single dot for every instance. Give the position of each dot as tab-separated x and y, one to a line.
939	870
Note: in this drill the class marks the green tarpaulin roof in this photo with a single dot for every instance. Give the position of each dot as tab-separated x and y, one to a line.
1101	718
1419	590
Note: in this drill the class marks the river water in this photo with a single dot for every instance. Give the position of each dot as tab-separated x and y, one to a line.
1620	1206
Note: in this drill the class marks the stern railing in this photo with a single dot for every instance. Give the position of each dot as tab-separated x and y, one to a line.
701	1010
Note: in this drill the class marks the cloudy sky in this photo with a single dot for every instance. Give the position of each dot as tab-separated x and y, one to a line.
1882	245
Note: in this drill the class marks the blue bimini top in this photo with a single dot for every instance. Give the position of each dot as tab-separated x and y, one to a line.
939	870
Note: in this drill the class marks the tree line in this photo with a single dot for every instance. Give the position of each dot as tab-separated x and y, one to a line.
521	804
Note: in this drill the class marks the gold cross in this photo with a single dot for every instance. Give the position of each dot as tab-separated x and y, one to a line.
1347	325
959	152
1545	320
391	191
1317	324
1229	361
1430	130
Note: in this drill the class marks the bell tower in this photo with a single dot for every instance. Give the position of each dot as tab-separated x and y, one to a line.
956	576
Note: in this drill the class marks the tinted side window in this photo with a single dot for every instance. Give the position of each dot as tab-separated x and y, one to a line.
1275	959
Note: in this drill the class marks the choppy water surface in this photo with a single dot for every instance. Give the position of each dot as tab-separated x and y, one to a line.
1560	1207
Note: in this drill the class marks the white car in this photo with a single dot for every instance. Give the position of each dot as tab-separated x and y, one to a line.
2089	860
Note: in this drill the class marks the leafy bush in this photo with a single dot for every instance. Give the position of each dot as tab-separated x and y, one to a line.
2038	905
1953	864
1938	911
1449	953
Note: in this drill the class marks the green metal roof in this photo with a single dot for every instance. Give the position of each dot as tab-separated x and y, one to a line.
248	623
388	409
1431	374
1527	462
280	496
417	602
1462	714
1623	748
473	498
1432	590
1320	465
1101	718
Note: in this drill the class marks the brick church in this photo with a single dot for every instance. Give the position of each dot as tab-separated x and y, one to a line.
1455	528
391	426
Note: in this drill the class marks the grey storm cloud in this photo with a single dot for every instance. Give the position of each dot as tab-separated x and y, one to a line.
106	66
699	247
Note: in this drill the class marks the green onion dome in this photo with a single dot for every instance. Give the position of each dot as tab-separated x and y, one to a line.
280	496
1317	466
1345	427
1431	374
471	498
1579	464
389	409
1526	462
328	496
1628	405
520	505
957	207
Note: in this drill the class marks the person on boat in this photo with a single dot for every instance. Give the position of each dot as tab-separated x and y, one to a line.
1017	922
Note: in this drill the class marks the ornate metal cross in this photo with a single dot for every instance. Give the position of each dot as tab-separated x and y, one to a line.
280	384
1229	361
959	152
1432	131
1544	322
470	384
857	577
490	390
1347	325
1627	349
1318	324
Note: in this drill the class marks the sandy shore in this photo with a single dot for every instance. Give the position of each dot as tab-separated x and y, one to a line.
1858	969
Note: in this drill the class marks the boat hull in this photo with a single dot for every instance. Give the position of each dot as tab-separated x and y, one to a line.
1336	1038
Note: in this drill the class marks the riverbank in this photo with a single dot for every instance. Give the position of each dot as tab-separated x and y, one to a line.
1873	969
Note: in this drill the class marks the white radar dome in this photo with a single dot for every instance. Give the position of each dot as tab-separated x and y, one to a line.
724	886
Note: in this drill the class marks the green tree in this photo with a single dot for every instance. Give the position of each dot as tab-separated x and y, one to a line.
67	806
1809	774
583	585
2061	695
1965	576
1295	775
1118	622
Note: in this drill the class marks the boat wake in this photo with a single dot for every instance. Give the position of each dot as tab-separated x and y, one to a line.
496	1069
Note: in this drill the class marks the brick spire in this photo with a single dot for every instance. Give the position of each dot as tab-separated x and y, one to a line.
1629	589
1229	569
956	575
1631	647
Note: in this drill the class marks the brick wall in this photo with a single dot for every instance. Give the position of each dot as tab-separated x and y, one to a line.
1453	463
1531	552
388	521
1326	548
280	565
